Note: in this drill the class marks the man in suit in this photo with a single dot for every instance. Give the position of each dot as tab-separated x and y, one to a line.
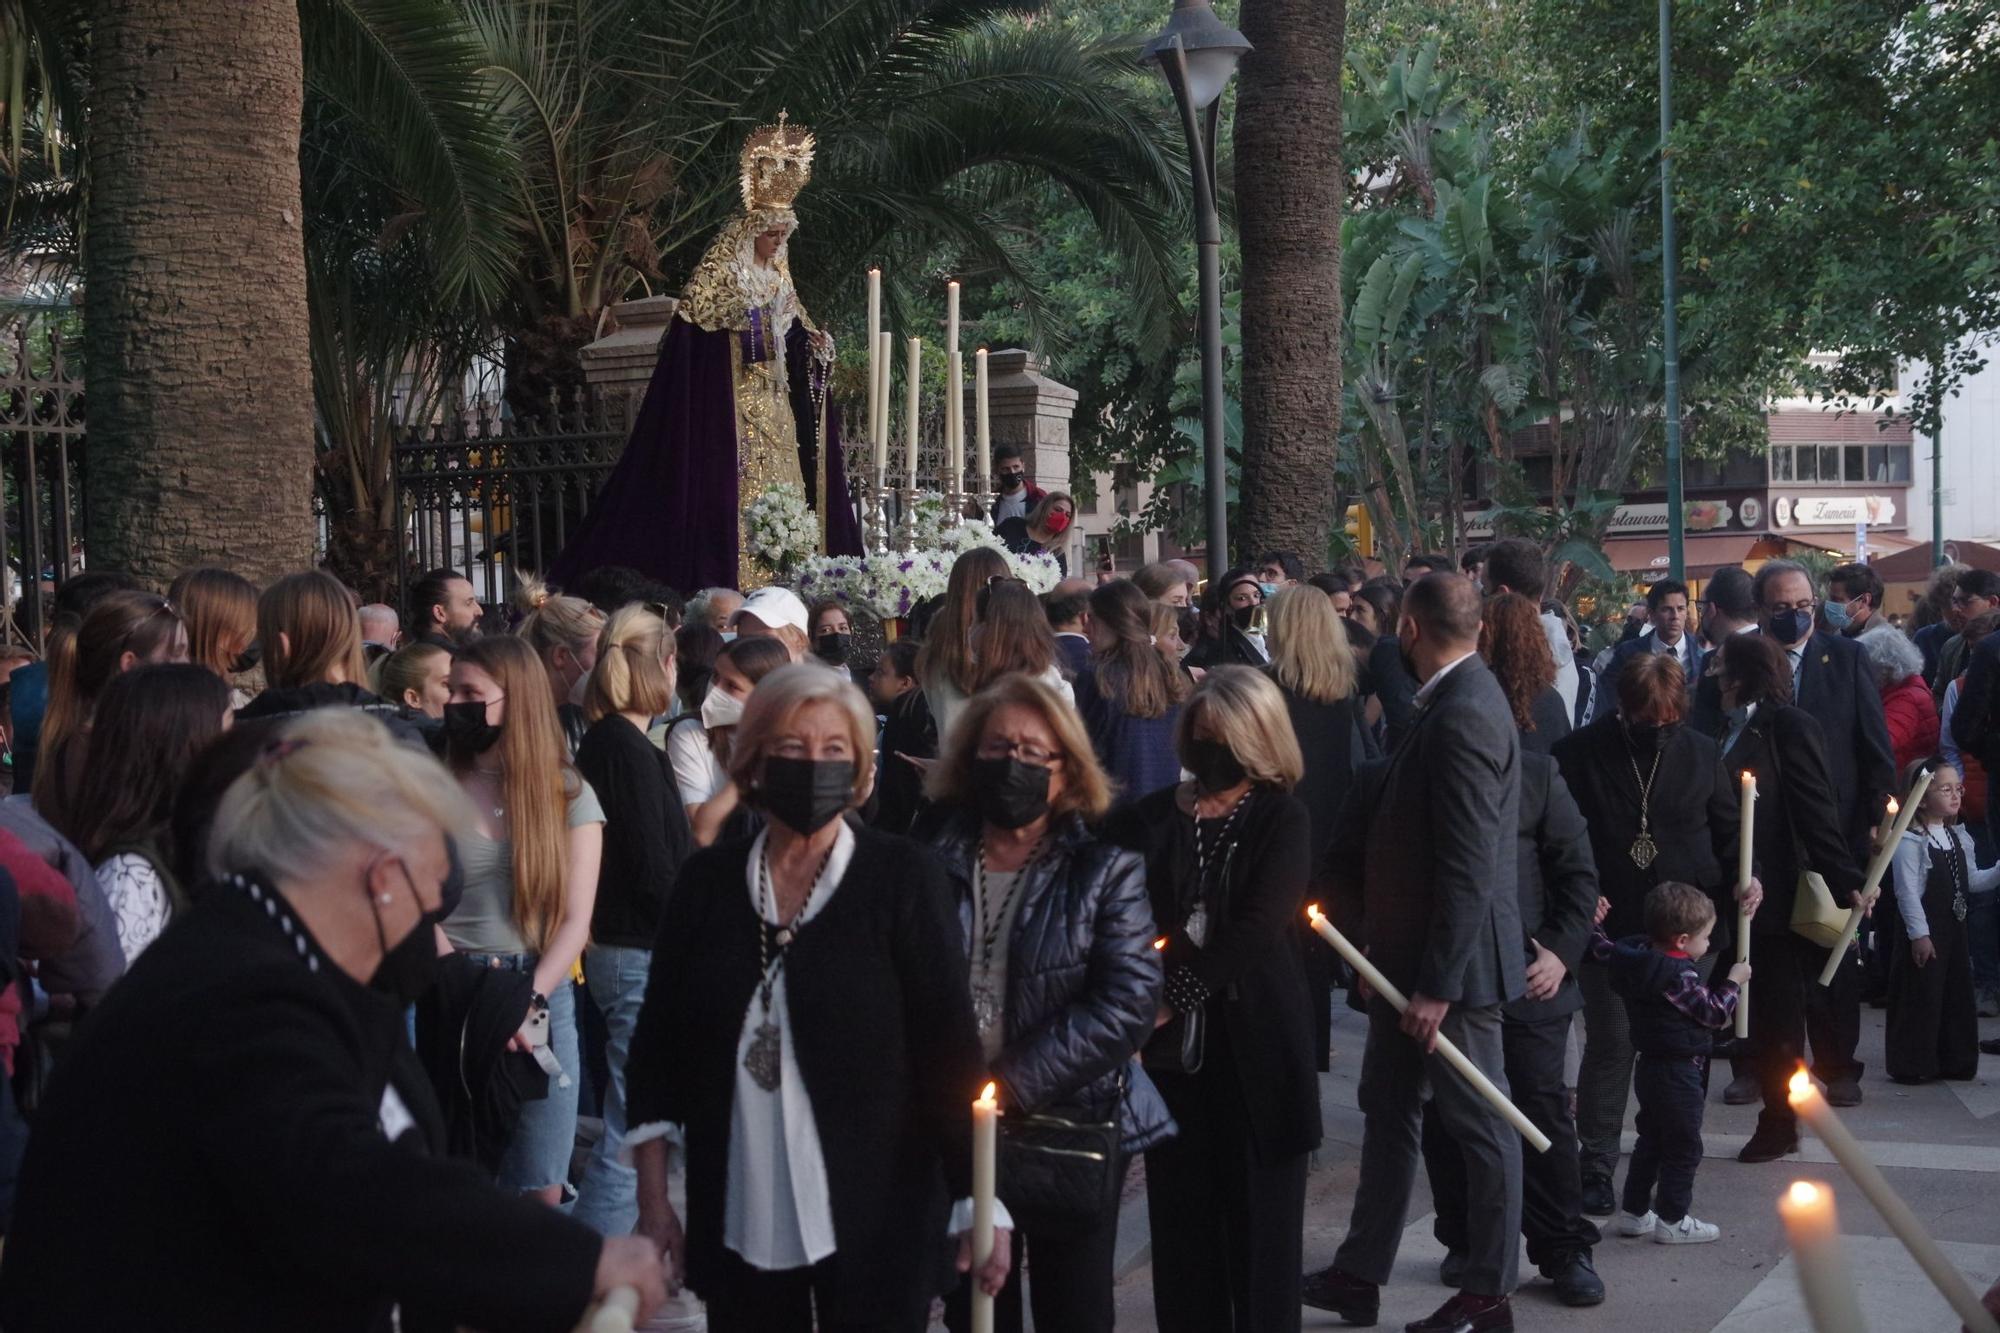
1429	889
1067	606
1670	636
1557	892
1727	607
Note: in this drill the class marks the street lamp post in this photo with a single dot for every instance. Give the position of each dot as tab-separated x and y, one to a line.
1670	282
1197	52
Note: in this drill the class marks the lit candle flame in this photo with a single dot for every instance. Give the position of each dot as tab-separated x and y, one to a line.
1160	943
1893	807
1748	777
1313	913
1801	1085
1804	1194
990	1098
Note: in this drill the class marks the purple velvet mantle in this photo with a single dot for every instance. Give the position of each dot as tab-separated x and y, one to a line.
670	507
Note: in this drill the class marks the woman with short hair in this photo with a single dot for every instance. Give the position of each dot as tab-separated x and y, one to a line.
1130	695
1227	858
807	1024
1065	979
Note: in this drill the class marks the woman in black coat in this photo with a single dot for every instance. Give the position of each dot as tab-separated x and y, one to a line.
1641	767
1228	610
1226	866
242	1124
1797	829
1065	979
807	1024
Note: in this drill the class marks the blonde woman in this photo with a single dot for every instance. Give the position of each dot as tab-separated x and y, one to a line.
530	875
807	1023
1227	857
563	632
1043	530
249	1084
418	677
646	838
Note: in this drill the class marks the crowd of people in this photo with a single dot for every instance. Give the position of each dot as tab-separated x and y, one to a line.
371	964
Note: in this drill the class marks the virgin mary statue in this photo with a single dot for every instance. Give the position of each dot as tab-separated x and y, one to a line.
737	405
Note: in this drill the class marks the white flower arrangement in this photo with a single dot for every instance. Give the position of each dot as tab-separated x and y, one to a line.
780	528
891	585
1039	571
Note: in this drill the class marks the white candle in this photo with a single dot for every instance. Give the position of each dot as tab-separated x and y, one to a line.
880	443
875	404
985	1148
951	316
1876	868
955	421
1951	1284
615	1313
1449	1053
982	419
1745	824
1824	1280
915	374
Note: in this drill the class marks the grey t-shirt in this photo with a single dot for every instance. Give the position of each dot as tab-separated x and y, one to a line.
484	921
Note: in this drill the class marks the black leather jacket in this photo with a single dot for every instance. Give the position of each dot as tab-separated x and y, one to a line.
1083	979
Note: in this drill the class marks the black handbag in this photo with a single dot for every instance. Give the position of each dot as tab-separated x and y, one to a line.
1177	1045
1057	1168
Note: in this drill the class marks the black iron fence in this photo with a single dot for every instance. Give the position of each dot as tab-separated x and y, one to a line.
41	472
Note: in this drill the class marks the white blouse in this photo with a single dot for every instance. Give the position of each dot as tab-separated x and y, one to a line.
138	898
947	701
1911	868
697	772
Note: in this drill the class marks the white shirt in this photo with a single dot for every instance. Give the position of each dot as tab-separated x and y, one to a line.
138	899
1429	687
1947	747
1683	652
697	772
1737	722
946	702
1567	681
1910	871
1010	506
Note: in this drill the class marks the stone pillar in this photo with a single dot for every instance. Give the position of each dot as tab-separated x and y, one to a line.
619	365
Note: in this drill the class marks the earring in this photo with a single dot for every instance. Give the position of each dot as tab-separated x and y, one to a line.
383	899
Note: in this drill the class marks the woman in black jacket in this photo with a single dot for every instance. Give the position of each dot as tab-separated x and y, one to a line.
807	1024
1641	770
243	1113
646	839
1228	610
1065	979
1797	829
1227	857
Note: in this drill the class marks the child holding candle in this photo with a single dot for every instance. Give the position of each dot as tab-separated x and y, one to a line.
1672	1015
1933	1027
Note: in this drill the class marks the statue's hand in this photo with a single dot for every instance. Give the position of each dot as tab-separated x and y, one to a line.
822	344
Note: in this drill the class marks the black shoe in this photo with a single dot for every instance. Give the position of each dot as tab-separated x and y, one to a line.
1576	1280
1598	1200
1991	1046
1452	1271
1769	1143
1467	1313
1355	1300
1844	1091
1742	1090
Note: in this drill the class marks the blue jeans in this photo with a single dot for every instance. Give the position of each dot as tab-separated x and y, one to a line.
617	981
538	1156
1671	1091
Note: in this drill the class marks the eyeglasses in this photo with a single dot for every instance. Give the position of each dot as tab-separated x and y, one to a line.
1026	752
1946	789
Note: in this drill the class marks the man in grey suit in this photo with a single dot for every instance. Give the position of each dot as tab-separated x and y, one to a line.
1430	893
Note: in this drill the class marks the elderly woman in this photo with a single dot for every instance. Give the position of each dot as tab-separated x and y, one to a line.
284	1167
1065	979
1227	857
1661	805
1907	704
807	1024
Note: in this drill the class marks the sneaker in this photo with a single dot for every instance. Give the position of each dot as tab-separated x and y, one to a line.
1690	1230
1598	1200
1742	1091
1634	1224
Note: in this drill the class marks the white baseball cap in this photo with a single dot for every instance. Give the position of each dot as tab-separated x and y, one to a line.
773	607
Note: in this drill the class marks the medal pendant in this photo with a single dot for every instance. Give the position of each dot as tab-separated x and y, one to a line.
987	1007
1197	928
1958	906
762	1058
1643	851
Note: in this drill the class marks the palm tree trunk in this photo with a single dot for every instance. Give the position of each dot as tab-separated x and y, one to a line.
1288	201
195	307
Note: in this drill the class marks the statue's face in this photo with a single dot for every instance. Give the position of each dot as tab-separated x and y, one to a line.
768	243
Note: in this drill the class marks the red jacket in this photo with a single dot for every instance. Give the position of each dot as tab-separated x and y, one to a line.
48	927
1912	716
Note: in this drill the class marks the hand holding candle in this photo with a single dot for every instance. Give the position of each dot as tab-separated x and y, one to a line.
1951	1284
1876	869
1744	839
1824	1280
985	1149
1447	1052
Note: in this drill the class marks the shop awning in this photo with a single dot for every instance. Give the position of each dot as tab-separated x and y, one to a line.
1703	554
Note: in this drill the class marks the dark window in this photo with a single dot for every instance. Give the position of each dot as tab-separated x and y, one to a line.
1852	466
1829	462
1781	463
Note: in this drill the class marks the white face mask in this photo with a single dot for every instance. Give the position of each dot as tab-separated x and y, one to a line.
719	709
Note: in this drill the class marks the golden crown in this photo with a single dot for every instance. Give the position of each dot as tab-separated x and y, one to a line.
777	163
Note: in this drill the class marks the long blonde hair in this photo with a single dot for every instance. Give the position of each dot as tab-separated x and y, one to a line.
537	781
1246	712
310	626
947	650
631	675
552	620
1310	655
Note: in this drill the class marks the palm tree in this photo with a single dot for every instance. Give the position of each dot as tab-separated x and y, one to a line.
1288	198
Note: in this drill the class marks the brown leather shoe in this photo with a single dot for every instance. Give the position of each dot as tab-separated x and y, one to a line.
1354	1299
1467	1313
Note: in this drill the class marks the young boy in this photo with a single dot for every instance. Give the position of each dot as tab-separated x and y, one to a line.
1671	1015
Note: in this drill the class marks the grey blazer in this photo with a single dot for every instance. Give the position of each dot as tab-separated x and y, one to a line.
1432	893
1557	886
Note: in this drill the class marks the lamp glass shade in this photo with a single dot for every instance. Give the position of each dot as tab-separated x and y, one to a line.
1212	48
1208	70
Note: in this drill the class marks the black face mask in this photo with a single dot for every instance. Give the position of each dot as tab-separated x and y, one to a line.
1243	615
805	795
1649	736
409	968
1012	481
832	647
466	729
247	660
1214	765
1011	794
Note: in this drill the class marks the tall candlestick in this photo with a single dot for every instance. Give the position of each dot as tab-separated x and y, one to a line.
879	441
915	372
951	316
955	421
982	420
1824	1280
985	1147
1745	824
1449	1053
1951	1284
875	403
1876	869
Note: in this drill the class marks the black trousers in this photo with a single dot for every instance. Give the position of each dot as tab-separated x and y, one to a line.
1787	1004
1067	1269
1933	1016
1228	1224
1671	1091
753	1300
1551	1182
